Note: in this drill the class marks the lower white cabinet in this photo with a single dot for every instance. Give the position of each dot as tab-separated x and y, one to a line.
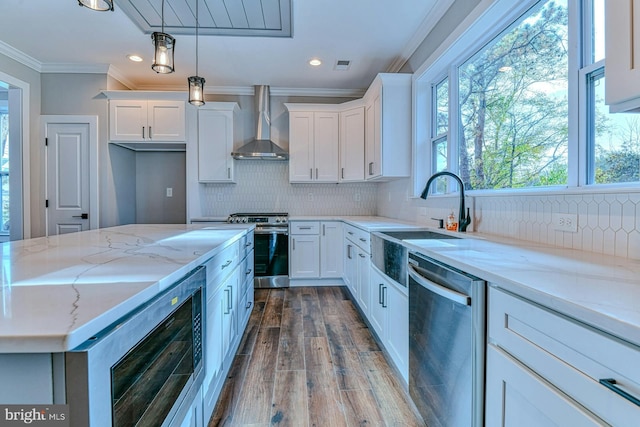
304	256
315	249
195	416
228	306
561	371
389	316
517	397
363	267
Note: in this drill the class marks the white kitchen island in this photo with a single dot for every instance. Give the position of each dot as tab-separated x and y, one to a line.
59	291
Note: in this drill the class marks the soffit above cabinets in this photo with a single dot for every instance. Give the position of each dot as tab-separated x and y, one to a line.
264	18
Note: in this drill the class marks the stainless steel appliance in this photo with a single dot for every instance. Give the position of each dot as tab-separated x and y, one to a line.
144	369
271	247
446	343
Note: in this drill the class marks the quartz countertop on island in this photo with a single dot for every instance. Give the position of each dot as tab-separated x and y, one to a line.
58	291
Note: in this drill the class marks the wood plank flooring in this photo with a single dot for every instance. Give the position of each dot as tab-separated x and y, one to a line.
308	360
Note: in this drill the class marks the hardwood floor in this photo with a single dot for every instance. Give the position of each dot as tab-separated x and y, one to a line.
308	359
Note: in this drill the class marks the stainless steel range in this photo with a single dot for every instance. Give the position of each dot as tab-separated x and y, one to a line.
271	250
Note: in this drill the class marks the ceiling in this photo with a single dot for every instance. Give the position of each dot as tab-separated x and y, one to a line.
376	36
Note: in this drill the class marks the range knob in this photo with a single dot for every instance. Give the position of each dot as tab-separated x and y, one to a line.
278	220
230	219
245	219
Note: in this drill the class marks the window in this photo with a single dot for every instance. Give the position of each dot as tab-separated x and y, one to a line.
504	122
440	132
614	139
4	171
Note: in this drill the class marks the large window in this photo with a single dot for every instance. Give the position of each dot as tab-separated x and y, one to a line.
4	171
509	102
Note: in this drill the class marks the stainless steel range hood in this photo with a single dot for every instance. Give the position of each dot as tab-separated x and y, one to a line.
261	147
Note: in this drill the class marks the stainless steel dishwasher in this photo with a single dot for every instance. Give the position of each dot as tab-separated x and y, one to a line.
446	343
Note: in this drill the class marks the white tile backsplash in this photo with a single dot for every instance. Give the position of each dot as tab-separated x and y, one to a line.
608	223
263	186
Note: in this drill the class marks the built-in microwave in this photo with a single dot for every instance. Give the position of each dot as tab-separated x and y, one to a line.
146	368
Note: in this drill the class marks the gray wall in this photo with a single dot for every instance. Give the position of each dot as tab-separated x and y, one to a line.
155	172
71	94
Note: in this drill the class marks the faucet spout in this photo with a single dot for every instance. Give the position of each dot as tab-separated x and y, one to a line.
463	221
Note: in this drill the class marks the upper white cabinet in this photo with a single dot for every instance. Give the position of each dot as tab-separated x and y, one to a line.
147	120
313	144
216	136
352	145
388	127
622	47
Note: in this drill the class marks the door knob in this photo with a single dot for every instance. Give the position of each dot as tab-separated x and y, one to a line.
82	216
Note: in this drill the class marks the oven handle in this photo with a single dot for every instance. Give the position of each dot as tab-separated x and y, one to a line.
272	231
445	292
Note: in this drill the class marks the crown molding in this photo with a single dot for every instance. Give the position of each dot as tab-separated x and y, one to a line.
75	68
20	57
433	17
275	91
119	76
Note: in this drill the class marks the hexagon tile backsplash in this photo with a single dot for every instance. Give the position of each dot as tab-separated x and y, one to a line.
607	223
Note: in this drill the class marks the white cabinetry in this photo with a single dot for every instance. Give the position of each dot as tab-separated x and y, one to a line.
304	253
352	145
389	316
315	249
331	259
357	256
388	127
227	313
622	70
553	367
194	416
313	144
216	137
146	120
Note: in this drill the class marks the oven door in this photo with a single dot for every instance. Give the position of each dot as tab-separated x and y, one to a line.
271	257
144	369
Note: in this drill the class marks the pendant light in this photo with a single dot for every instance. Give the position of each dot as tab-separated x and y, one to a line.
196	84
164	50
100	5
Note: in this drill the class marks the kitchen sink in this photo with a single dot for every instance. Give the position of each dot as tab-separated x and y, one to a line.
417	235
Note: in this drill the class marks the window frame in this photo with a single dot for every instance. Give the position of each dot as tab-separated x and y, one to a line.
466	41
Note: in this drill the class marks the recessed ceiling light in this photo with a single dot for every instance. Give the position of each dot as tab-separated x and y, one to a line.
315	62
135	58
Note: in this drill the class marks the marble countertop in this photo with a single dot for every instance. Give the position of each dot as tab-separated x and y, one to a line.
58	291
600	290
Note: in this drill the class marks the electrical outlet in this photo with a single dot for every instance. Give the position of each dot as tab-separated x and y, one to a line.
356	197
565	222
169	192
310	197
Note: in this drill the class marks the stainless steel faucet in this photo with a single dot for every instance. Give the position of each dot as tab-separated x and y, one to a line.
463	221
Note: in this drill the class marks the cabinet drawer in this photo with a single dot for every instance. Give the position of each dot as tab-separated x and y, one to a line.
571	355
358	236
246	245
223	263
304	227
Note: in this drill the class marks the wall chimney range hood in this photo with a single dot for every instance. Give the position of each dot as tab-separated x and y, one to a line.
261	147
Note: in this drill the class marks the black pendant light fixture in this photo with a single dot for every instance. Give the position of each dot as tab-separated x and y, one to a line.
196	84
164	50
100	5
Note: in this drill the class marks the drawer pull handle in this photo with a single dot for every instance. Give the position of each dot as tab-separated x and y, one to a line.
610	383
248	306
305	228
363	240
226	264
248	272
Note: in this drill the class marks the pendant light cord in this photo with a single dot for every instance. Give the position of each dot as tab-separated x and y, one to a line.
162	15
197	1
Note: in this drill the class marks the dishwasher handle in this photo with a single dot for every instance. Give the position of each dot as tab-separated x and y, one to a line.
443	291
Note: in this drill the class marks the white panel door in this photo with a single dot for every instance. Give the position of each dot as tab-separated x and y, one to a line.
67	177
215	144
